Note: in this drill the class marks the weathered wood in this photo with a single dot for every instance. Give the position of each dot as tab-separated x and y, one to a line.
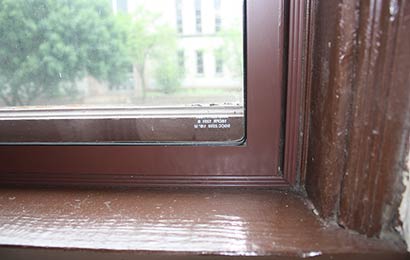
380	118
331	87
360	111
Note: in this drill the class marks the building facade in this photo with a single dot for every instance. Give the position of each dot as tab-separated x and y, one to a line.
202	49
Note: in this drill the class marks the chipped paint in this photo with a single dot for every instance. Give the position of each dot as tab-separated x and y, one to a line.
405	205
311	254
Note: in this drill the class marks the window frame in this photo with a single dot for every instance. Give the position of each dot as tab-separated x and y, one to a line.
257	163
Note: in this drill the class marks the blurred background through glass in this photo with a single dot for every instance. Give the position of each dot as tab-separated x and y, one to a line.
121	53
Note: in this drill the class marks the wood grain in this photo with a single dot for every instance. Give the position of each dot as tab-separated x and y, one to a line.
380	119
360	98
331	83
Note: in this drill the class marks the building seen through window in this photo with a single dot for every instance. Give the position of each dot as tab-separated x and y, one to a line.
198	16
121	5
199	62
219	62
121	53
181	60
218	18
218	22
180	27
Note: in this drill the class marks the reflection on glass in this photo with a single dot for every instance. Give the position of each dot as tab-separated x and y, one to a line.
120	52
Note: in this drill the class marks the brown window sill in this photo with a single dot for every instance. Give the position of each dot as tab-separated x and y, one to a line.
99	224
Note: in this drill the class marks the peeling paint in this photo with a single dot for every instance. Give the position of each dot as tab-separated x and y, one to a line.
311	254
394	9
405	205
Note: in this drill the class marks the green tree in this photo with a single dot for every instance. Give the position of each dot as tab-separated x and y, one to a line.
47	45
233	48
150	40
168	75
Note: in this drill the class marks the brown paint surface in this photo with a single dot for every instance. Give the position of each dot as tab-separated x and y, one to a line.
187	222
380	119
254	164
359	111
331	87
295	81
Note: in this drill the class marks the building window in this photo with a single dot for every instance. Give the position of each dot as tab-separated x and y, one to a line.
198	16
200	62
181	60
180	27
218	19
217	4
122	6
219	62
218	23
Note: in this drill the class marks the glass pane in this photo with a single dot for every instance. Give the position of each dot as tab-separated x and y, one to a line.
121	53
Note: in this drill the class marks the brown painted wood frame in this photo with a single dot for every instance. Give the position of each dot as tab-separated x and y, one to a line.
359	110
255	164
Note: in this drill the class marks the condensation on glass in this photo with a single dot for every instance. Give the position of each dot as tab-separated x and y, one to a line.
156	59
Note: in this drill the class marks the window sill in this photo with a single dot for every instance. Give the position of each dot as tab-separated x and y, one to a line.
98	223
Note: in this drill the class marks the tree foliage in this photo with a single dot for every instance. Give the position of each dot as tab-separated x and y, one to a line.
47	45
151	41
233	49
168	75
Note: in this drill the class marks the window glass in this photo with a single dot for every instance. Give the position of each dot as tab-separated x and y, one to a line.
200	62
180	27
219	61
198	16
218	18
122	5
121	53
